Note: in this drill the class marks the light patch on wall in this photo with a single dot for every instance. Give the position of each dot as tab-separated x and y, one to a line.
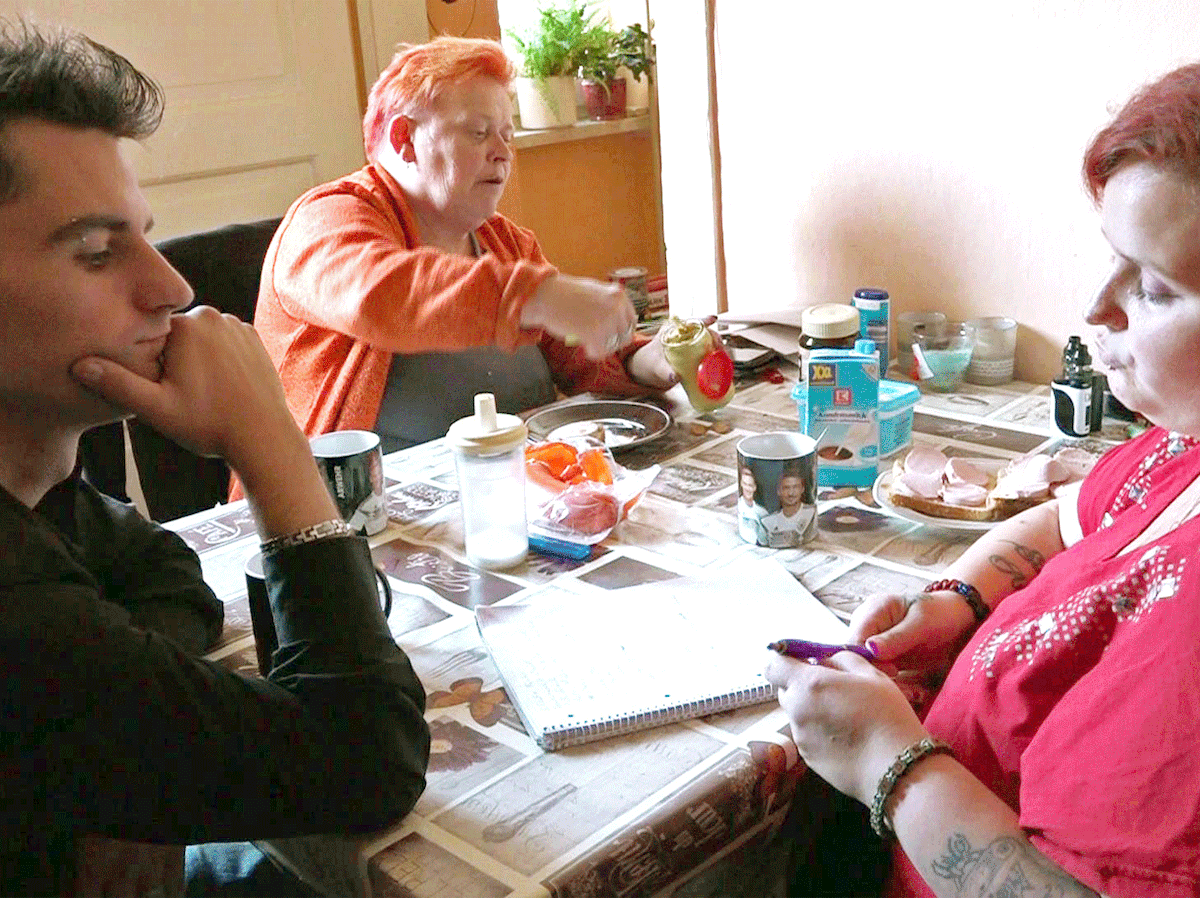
930	148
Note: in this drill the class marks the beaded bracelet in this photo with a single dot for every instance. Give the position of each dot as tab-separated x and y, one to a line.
323	530
978	607
887	783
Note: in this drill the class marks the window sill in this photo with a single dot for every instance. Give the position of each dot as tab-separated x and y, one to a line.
581	130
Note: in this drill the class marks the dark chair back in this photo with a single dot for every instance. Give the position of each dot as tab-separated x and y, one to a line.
224	267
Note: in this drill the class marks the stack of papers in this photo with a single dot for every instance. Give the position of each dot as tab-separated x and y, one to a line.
778	330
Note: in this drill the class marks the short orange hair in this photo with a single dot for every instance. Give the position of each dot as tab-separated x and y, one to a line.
1159	125
418	73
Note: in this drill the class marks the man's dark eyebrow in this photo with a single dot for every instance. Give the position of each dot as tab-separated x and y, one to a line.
77	227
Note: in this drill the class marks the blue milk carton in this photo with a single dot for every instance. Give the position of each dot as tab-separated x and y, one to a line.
838	406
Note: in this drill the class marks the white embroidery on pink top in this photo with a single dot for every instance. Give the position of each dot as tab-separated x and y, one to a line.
1129	594
1136	489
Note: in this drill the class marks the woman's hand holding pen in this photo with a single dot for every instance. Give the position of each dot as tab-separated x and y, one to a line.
848	719
915	636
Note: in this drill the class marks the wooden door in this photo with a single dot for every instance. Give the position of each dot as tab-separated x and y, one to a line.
262	100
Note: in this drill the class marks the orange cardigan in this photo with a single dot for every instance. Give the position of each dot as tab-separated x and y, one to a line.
346	284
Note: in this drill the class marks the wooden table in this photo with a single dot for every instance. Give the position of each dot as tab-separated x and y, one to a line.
650	813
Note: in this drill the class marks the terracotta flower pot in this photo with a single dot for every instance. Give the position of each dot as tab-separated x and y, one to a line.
602	103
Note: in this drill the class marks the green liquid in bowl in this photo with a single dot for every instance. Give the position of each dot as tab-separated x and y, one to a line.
948	367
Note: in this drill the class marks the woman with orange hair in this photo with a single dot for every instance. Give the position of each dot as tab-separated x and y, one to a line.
391	296
1059	755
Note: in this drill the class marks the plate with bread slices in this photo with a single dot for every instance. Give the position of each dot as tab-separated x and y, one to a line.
927	487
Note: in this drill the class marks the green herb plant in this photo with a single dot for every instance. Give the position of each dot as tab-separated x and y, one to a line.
557	44
635	50
607	49
577	40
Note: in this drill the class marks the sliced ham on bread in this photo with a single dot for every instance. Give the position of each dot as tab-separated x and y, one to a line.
928	482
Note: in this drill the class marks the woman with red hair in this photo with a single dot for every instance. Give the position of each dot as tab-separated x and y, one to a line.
1059	755
391	296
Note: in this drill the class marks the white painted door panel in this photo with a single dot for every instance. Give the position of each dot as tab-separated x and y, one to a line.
261	99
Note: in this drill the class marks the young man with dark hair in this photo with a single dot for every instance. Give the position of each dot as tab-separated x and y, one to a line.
116	739
790	525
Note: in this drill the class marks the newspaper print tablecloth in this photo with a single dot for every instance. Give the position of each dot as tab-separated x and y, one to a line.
635	815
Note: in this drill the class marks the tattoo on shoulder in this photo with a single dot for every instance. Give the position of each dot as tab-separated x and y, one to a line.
1007	868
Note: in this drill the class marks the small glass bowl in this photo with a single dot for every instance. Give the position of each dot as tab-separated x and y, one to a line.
947	352
908	325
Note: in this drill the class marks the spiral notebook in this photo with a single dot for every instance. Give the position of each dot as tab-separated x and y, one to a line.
585	667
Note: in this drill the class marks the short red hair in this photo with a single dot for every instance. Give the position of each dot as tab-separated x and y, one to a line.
418	73
1160	125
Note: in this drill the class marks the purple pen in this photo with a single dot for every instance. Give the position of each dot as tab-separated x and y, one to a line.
816	651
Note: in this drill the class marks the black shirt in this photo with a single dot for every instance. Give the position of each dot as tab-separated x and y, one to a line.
110	724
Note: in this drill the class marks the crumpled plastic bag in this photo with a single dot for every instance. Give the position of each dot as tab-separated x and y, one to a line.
575	490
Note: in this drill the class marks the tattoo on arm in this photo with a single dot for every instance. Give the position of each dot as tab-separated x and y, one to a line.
1007	868
1032	557
1019	578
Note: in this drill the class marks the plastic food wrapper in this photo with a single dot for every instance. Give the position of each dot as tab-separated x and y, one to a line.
575	491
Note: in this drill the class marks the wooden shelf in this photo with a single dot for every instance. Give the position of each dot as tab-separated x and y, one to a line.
581	130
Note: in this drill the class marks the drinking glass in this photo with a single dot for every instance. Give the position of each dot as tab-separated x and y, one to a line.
947	353
995	350
908	325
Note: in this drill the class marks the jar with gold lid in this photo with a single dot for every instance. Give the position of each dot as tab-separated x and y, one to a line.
827	326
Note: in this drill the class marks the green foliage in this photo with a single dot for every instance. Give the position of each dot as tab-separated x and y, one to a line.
597	53
608	49
576	38
556	45
634	50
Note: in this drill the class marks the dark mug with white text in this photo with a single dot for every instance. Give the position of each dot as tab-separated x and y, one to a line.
351	463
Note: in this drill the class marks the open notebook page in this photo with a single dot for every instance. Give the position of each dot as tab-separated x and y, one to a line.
579	668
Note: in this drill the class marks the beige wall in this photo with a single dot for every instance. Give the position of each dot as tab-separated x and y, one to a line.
931	148
689	158
250	122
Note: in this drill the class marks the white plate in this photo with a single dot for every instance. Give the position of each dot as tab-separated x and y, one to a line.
625	424
884	480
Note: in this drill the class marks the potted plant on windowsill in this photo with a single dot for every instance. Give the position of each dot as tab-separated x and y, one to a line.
549	58
605	53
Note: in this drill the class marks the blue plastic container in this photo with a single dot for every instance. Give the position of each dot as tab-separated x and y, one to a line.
896	401
837	404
